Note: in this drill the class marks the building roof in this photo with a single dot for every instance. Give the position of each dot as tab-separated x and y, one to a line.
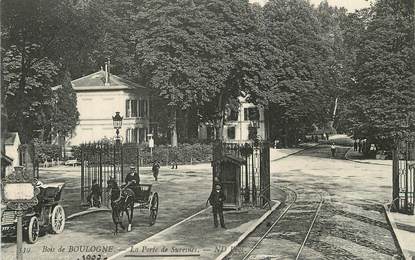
96	81
9	138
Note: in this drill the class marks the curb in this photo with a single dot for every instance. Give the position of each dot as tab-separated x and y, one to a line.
392	223
86	212
294	153
164	230
249	231
357	161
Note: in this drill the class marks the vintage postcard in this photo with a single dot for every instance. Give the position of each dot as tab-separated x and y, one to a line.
207	129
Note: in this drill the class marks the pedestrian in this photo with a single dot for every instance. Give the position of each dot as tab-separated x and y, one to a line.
94	198
132	181
216	199
174	160
355	145
360	145
373	150
174	164
333	150
155	169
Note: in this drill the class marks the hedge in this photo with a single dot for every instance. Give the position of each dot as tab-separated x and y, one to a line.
183	154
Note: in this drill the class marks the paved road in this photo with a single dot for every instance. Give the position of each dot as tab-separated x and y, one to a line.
351	224
177	201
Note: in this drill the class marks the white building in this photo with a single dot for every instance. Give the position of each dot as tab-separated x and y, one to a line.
240	124
99	96
12	143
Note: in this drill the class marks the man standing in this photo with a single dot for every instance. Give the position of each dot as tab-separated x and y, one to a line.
333	150
94	198
355	145
133	180
155	169
216	199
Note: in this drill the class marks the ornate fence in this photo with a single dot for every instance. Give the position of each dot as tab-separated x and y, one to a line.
404	177
253	182
100	161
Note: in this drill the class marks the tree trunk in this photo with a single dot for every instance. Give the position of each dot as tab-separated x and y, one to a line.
174	129
219	123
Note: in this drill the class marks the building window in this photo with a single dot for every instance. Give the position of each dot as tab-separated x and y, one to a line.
251	114
252	133
233	116
141	108
131	108
231	133
141	134
136	108
131	135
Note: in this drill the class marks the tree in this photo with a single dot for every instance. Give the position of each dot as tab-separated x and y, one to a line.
182	50
40	39
295	54
65	115
381	95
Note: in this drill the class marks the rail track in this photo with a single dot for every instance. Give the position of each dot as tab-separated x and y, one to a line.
294	222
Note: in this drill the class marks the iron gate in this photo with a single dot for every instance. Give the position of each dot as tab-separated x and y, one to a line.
404	177
100	161
255	172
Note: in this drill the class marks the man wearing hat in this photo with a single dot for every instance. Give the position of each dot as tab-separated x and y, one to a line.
216	199
133	180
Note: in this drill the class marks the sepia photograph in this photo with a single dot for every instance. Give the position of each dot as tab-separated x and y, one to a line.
207	129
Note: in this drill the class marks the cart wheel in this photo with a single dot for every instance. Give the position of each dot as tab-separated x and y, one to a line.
57	221
33	230
153	208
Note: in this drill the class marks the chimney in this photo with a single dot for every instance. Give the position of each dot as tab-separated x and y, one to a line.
107	72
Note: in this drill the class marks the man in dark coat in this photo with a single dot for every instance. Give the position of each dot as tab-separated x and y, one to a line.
216	199
133	180
94	198
155	169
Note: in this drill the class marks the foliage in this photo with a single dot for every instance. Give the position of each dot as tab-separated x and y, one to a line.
40	39
183	154
47	152
66	115
381	95
296	55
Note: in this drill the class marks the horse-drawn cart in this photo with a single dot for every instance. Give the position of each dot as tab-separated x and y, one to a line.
147	200
47	215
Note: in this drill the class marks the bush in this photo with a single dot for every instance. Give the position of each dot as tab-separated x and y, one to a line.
47	152
183	154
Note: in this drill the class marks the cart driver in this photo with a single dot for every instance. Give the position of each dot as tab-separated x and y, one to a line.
132	180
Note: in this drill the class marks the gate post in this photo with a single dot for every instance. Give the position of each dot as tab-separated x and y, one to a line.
82	173
100	167
395	180
122	163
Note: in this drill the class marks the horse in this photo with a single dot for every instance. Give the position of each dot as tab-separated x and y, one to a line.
122	200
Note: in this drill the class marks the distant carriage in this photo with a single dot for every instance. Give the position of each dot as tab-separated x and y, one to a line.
148	200
122	202
47	216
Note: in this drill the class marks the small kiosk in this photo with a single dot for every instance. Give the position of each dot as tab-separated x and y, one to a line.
230	176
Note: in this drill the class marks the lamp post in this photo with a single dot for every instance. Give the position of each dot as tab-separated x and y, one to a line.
117	122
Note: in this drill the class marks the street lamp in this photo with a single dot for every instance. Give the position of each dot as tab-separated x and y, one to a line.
117	122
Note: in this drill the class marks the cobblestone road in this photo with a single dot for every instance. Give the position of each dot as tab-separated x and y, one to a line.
351	224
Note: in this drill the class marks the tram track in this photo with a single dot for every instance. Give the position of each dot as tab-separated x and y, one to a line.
278	227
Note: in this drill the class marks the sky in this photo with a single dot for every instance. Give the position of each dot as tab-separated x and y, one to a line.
350	5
